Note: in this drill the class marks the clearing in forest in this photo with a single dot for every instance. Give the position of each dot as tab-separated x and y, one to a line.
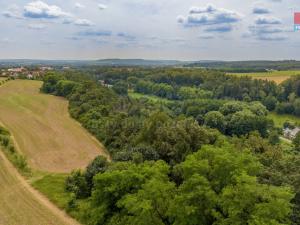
43	129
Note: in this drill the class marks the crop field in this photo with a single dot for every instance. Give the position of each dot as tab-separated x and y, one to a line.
20	204
43	130
277	76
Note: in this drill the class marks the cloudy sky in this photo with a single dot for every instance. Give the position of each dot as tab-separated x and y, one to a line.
150	29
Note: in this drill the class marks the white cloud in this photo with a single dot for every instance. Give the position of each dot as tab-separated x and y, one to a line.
210	18
12	11
267	29
37	26
83	22
208	9
260	10
39	9
209	15
267	20
180	19
79	5
102	6
206	37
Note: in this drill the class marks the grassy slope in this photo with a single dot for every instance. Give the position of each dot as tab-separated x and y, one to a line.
18	205
277	76
43	129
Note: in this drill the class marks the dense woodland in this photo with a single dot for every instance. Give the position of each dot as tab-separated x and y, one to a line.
205	153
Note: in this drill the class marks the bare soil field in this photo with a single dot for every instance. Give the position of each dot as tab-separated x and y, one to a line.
43	129
20	204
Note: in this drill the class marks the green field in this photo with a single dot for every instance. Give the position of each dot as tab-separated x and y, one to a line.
150	97
279	120
52	185
43	129
277	76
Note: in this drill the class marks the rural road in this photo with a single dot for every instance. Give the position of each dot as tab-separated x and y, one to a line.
23	205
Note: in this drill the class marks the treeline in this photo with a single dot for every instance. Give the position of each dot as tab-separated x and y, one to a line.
8	147
168	91
249	66
184	84
168	166
5	80
212	83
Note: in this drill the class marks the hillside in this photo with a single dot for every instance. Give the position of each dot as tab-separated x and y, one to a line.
43	129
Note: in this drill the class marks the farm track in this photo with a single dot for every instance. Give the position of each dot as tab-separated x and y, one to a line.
23	205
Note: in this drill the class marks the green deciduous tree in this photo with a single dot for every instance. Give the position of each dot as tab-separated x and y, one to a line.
220	187
215	119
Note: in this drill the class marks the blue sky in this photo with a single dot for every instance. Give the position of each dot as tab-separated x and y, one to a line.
150	29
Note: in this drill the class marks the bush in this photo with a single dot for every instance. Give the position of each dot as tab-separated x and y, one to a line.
76	183
4	140
98	165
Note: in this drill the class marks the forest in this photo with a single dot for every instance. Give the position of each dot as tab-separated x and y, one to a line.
205	152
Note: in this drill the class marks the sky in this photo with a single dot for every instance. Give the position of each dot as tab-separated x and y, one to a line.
149	29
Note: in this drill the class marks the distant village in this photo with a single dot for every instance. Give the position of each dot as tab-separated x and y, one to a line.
29	73
26	72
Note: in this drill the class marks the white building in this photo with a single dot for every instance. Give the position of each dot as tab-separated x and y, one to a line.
291	133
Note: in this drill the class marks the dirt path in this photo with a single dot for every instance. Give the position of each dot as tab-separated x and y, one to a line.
20	204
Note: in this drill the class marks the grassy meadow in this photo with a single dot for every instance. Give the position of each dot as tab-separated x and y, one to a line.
277	76
43	130
279	120
52	185
149	97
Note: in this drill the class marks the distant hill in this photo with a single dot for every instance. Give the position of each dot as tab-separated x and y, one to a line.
248	66
139	62
227	66
102	62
